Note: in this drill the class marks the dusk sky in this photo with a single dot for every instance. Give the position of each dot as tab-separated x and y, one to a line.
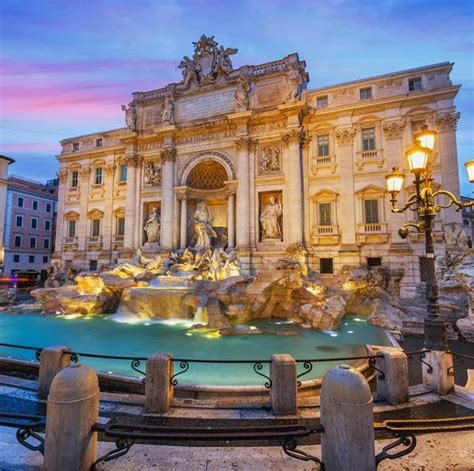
67	66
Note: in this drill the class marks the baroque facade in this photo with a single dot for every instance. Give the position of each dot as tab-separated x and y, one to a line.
273	162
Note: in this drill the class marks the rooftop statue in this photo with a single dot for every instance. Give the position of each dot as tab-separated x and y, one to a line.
130	116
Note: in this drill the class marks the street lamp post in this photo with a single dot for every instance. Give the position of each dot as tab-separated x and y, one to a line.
423	201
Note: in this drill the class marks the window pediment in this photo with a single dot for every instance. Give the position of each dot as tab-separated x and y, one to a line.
325	195
371	191
71	216
95	214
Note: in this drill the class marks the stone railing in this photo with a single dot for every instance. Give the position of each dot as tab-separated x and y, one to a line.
326	230
318	163
70	243
369	157
372	228
94	242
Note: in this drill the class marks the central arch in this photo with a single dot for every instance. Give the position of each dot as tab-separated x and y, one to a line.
220	158
207	175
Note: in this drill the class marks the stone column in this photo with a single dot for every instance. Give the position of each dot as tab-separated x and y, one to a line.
230	221
60	221
243	194
168	157
132	162
52	361
284	390
73	409
294	188
348	419
158	388
81	228
107	221
184	220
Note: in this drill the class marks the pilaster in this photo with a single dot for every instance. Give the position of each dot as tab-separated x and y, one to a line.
168	157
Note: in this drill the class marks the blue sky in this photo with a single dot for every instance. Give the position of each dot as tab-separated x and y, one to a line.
67	66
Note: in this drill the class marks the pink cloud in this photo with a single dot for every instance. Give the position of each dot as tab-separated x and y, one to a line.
30	147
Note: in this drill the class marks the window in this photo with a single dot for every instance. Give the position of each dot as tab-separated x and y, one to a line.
123	173
18	241
368	139
16	258
98	142
34	223
75	146
374	261
74	178
323	146
326	266
71	229
99	171
365	93
35	205
48	207
47	225
120	226
45	259
325	214
46	243
95	230
31	259
414	84
371	211
19	221
33	241
321	102
20	201
92	265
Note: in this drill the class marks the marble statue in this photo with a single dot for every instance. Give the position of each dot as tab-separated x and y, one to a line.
167	116
224	63
242	94
130	116
203	219
139	266
152	227
190	71
295	82
270	220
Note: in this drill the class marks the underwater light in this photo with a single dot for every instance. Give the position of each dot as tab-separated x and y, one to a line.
147	323
71	316
350	331
189	334
334	335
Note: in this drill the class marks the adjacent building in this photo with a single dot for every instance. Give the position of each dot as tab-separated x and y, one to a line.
4	163
253	144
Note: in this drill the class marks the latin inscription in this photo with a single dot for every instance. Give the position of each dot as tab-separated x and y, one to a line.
203	106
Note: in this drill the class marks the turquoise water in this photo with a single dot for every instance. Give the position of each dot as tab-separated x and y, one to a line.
102	335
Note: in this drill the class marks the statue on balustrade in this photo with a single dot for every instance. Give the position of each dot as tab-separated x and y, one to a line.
167	116
204	232
152	227
130	116
270	220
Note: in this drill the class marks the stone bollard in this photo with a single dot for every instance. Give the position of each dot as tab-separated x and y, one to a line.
284	390
52	361
159	391
73	409
439	380
393	388
348	420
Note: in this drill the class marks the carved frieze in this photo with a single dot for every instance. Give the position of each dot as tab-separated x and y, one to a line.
192	139
152	174
269	160
344	95
344	137
268	127
393	129
392	83
149	146
447	121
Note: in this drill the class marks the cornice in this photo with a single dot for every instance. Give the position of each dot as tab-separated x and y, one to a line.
93	152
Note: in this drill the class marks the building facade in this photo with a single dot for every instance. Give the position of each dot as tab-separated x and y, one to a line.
4	163
274	163
30	223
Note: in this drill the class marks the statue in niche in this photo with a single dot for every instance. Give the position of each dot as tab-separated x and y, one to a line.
167	116
242	94
152	227
130	116
270	220
295	83
203	219
152	174
269	160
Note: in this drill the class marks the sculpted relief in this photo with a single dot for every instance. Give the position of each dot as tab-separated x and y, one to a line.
269	160
152	174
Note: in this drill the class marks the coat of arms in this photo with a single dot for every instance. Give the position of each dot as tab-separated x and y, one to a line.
210	61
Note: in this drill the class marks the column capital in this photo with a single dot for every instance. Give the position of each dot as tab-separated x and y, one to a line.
62	175
393	129
292	136
168	154
246	143
110	167
231	188
447	121
85	171
181	193
133	160
345	136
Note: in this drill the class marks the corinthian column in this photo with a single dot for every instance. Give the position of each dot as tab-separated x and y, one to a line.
181	197
294	187
230	193
60	233
85	173
132	162
168	157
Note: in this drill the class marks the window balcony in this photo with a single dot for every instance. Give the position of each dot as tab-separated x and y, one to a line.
325	235
324	162
117	243
369	157
94	242
372	233
70	243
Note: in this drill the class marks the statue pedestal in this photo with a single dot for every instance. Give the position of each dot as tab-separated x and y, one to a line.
151	247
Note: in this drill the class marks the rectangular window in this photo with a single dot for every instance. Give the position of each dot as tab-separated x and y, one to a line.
33	241
99	172
18	241
321	102
31	259
123	173
120	226
45	259
48	207
374	261
75	146
20	202
99	142
45	243
19	221
371	211
326	266
366	93
368	139
71	229
323	145
35	205
34	223
16	258
47	225
74	178
414	84
92	265
95	231
325	214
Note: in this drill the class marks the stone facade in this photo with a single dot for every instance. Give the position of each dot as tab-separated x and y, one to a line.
241	139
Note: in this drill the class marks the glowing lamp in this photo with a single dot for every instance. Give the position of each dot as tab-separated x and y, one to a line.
470	170
426	138
417	157
394	181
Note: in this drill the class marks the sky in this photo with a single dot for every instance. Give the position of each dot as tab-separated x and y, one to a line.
67	66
